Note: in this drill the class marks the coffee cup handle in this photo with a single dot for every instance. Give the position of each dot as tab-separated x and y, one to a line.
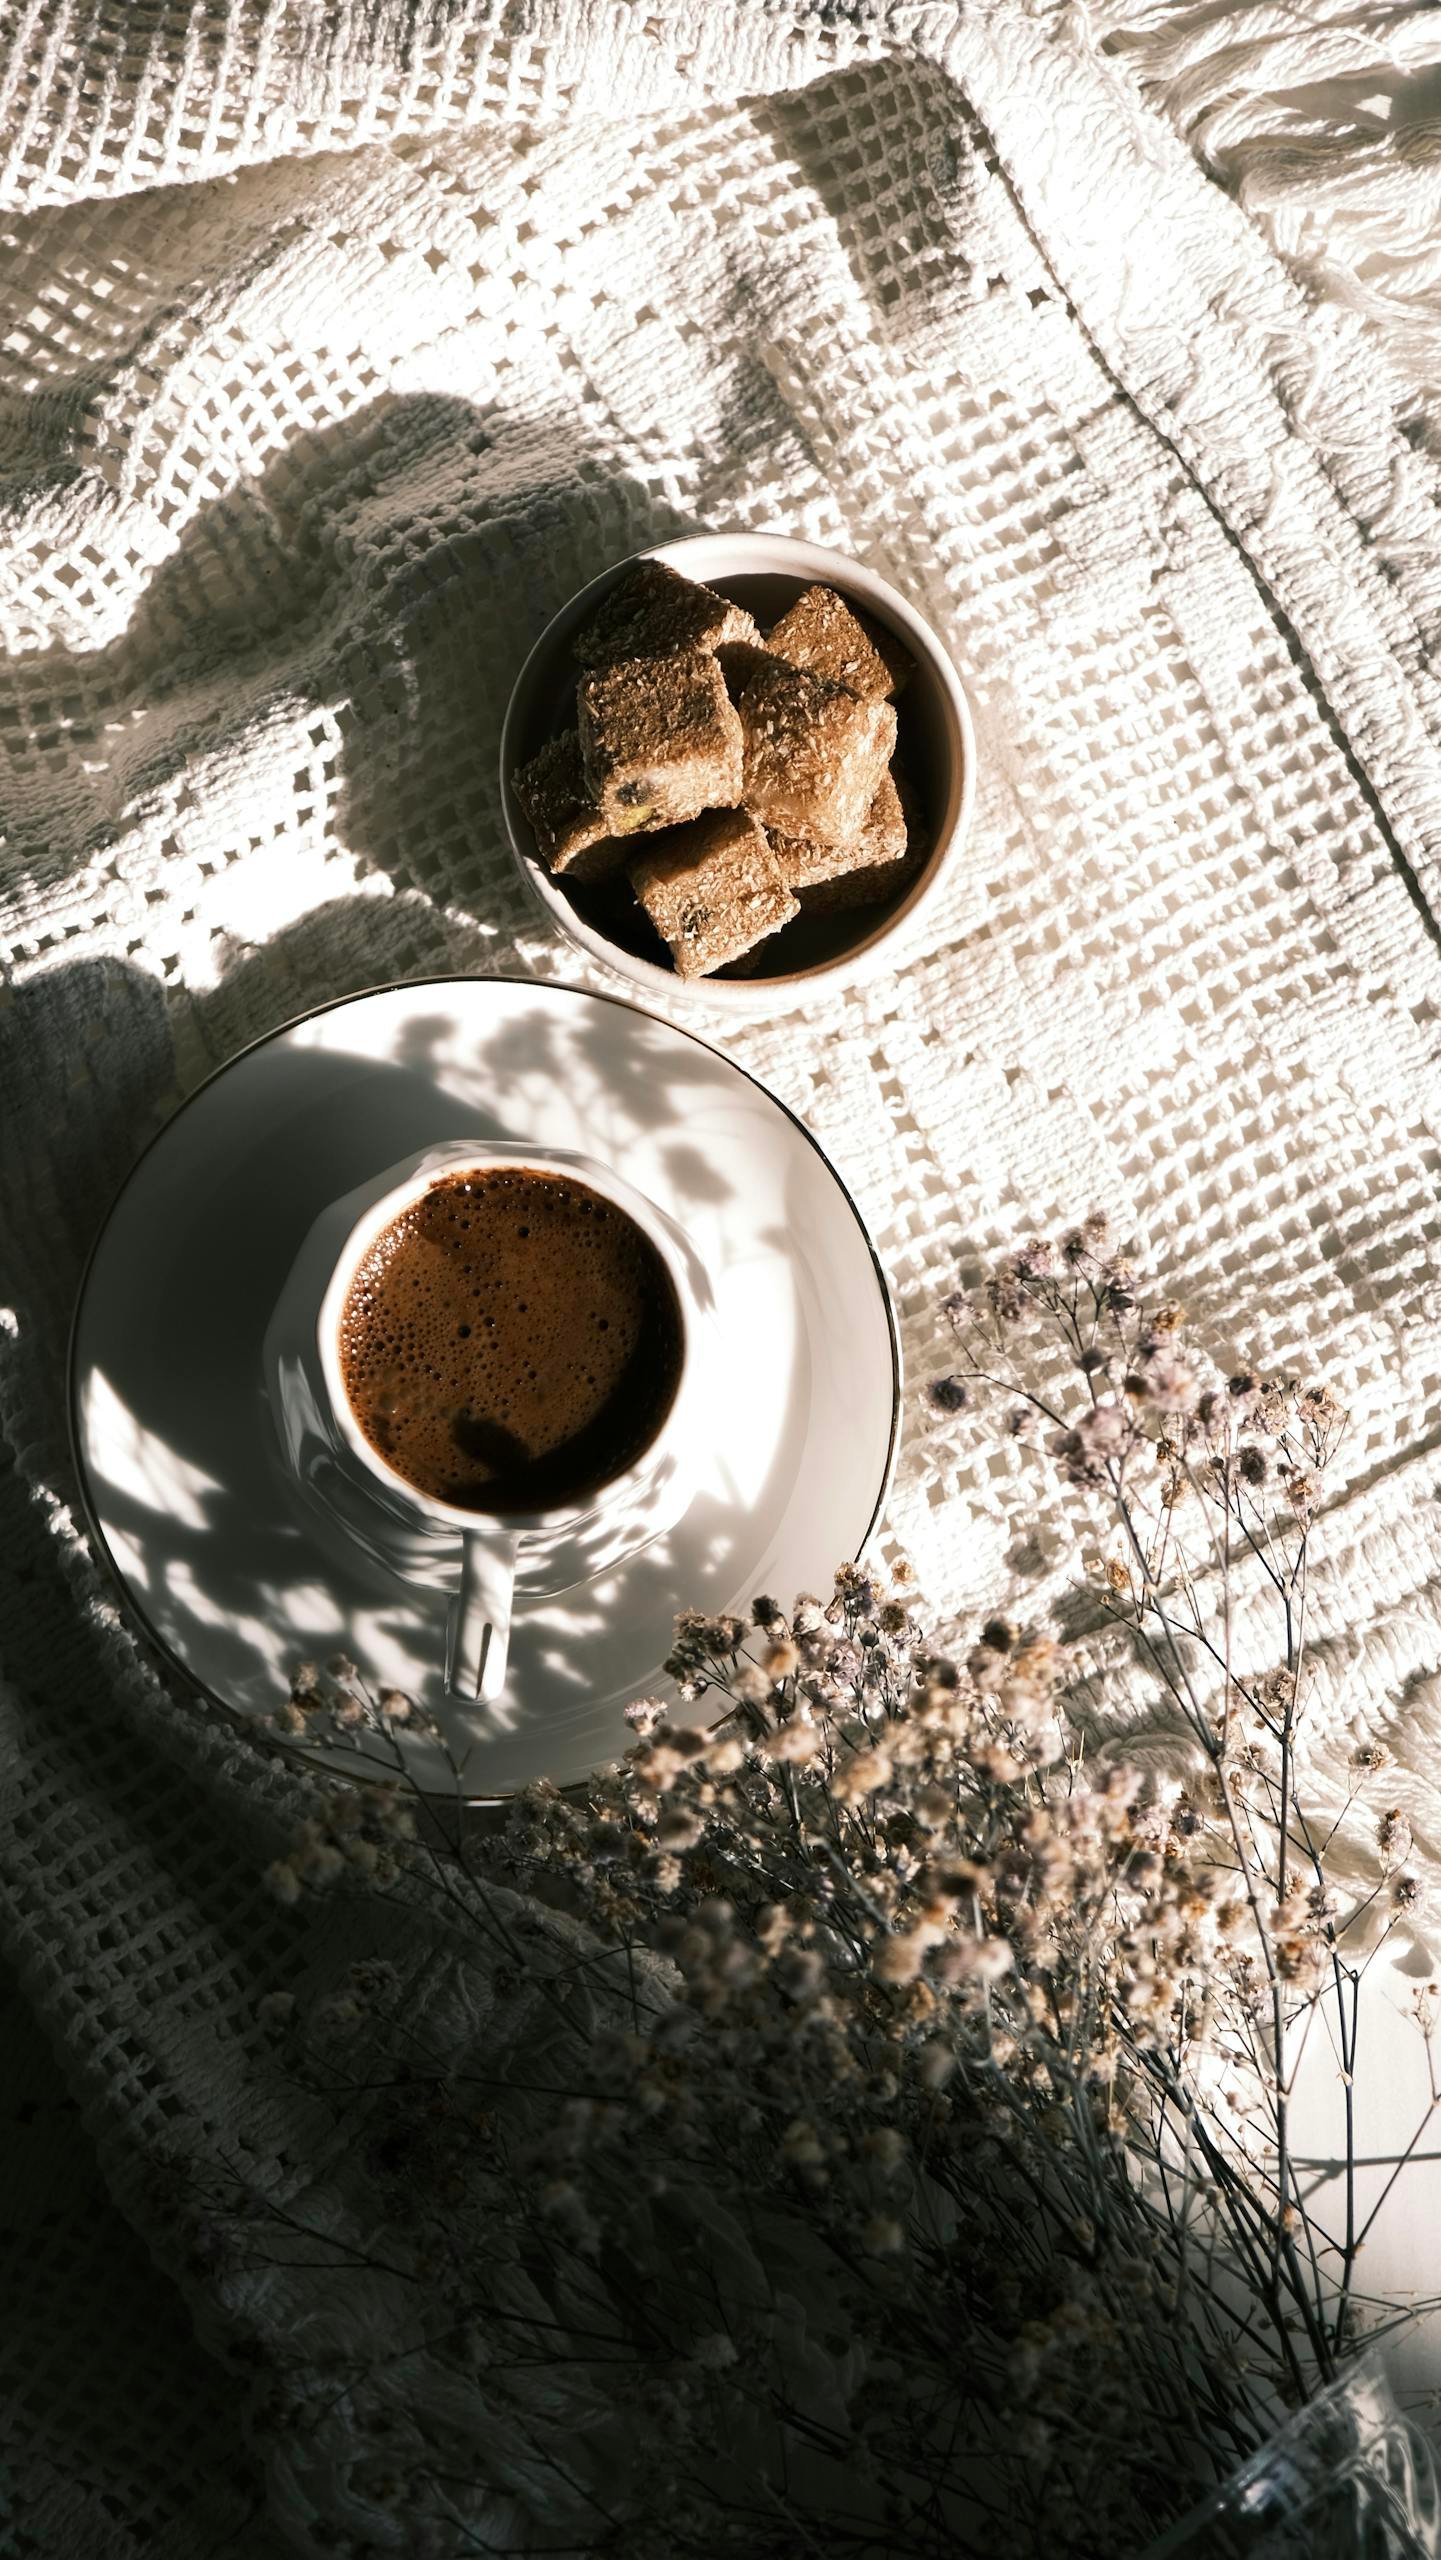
478	1635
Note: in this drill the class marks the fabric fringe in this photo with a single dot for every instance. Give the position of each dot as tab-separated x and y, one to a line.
1324	120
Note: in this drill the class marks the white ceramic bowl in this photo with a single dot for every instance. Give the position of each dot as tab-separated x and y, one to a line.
815	954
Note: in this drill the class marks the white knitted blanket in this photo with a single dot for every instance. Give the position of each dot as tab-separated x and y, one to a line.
340	344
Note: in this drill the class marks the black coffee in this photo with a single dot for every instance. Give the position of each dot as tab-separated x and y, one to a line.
511	1342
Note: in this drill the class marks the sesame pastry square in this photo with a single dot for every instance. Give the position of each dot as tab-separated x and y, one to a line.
712	890
569	830
652	612
808	862
888	852
660	740
821	632
814	754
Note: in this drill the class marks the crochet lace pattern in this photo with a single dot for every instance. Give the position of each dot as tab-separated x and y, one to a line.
340	346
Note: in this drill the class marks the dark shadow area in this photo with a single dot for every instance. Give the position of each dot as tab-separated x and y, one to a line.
394	569
83	2442
441	632
933	144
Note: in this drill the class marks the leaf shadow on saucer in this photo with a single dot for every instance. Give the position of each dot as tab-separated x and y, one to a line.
206	1541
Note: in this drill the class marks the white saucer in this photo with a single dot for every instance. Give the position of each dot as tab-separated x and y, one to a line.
237	1577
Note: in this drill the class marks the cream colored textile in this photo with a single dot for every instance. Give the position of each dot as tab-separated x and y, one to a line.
340	344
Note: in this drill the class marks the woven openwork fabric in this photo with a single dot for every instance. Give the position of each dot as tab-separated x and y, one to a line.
340	345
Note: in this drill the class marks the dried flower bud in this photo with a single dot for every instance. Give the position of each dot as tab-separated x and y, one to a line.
644	1714
799	1973
725	1755
1393	1837
657	1766
986	1667
751	1686
883	2236
678	1828
563	2205
863	1775
794	1743
948	1395
336	2018
983	1961
801	2145
935	2064
854	1589
1320	1409
1169	1381
1035	1261
899	1959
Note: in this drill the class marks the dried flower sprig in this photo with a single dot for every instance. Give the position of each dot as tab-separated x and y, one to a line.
884	2136
940	2027
1212	1484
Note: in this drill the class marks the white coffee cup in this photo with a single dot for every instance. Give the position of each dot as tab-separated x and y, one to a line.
635	1506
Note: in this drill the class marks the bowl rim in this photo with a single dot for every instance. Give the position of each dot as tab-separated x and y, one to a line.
717	556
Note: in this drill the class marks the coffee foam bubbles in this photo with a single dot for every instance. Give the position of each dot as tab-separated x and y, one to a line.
503	1323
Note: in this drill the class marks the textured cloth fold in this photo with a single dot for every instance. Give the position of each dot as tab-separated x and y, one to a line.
341	345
